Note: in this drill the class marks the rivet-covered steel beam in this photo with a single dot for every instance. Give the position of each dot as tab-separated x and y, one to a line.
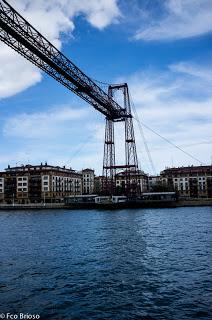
21	36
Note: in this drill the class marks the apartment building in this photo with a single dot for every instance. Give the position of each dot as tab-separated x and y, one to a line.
153	182
140	177
120	182
1	189
87	181
39	183
189	182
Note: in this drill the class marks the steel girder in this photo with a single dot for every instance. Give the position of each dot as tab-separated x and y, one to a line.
17	33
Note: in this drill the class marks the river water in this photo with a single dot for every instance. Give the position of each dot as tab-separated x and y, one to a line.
127	264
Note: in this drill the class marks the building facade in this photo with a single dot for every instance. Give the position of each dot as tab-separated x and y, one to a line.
36	184
189	182
141	178
153	182
88	181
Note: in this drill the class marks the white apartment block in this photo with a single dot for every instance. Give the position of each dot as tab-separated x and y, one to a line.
1	185
191	182
87	181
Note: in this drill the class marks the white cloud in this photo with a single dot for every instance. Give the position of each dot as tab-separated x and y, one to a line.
51	18
50	124
100	13
183	19
191	69
16	74
60	136
166	101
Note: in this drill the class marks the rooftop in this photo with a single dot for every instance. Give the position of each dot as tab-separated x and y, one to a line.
41	167
188	169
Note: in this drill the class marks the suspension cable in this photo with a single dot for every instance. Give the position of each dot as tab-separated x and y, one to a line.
81	146
101	82
143	137
173	144
162	137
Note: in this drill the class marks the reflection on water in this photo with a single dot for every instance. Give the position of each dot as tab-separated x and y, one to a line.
129	264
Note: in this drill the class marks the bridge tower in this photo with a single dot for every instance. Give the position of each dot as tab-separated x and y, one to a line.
21	36
129	170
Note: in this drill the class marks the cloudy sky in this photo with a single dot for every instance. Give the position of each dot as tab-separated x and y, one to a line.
162	48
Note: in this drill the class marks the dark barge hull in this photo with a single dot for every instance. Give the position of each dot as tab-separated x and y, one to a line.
123	205
113	206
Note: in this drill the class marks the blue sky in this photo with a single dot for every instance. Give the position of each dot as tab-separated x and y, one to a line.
161	48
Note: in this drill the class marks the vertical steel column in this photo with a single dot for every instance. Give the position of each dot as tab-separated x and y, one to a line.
132	186
109	158
109	170
130	168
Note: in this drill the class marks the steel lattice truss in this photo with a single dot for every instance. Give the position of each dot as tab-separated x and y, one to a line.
130	168
17	33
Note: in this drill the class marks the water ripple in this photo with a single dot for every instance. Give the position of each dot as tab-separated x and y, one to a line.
130	264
